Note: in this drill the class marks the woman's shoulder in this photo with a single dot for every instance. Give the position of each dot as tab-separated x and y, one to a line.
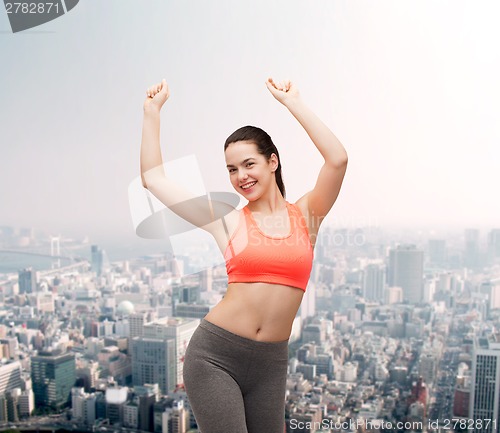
301	205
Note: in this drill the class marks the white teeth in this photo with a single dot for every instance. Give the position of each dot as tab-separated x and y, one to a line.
249	185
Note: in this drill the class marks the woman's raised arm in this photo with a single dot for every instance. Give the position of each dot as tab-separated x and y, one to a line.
322	197
199	211
151	160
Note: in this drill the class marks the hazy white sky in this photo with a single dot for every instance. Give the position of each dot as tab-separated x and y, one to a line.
410	88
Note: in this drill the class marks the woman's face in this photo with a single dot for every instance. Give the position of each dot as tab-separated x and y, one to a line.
251	174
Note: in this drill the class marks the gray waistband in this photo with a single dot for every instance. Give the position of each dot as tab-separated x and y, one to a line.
239	339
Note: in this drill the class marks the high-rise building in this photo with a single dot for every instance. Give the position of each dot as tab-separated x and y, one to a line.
180	330
10	376
153	361
373	282
485	390
406	269
27	280
99	260
427	366
53	375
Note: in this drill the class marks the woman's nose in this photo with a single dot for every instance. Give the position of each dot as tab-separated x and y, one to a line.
243	175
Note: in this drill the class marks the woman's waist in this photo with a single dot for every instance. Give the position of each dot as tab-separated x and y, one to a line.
257	311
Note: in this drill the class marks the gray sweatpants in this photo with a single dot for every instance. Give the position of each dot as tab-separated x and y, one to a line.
235	384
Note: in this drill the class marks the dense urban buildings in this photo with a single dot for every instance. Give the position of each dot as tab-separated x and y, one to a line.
390	336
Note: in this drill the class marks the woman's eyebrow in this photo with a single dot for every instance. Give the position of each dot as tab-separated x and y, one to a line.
245	160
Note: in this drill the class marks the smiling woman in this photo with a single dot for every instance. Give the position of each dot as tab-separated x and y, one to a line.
235	365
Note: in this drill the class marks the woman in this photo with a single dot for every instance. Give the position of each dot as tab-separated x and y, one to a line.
235	365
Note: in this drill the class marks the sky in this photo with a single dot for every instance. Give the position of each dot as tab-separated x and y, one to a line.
410	88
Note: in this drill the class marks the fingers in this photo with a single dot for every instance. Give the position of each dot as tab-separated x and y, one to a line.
283	86
279	85
151	92
273	84
157	88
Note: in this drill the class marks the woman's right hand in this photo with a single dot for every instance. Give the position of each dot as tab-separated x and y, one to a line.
156	96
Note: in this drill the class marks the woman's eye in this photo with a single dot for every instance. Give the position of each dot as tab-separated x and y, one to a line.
249	164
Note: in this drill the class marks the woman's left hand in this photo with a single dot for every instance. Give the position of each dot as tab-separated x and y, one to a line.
285	91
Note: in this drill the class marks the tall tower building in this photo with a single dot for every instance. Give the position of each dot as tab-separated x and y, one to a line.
53	375
406	269
97	259
27	280
373	283
485	390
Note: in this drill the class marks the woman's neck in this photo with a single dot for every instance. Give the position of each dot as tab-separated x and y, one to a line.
269	203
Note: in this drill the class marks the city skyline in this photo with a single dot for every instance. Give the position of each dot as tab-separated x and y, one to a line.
98	335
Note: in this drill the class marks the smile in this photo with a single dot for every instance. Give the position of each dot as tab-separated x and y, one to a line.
249	185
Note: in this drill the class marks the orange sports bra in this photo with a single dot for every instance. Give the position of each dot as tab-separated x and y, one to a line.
253	256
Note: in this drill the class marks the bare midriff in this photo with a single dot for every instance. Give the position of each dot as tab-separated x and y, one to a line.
259	311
